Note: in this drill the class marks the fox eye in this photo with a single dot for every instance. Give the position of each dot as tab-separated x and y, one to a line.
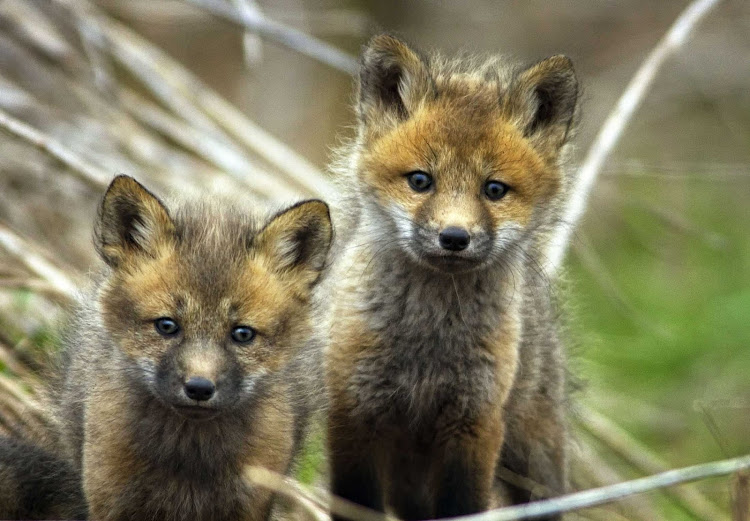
495	190
166	326
243	334
419	181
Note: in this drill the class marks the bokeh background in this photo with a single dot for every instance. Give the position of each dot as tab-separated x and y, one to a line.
658	277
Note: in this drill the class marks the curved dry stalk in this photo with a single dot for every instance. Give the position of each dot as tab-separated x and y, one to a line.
598	473
187	96
252	45
682	224
611	493
221	154
25	253
615	124
10	360
638	455
25	411
323	501
38	286
83	170
287	36
286	487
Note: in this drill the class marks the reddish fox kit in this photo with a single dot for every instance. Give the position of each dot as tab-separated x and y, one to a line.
192	358
445	373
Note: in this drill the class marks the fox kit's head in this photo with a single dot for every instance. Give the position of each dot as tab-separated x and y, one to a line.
204	301
459	162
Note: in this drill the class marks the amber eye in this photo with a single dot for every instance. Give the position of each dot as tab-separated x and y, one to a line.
166	326
495	190
243	334
419	181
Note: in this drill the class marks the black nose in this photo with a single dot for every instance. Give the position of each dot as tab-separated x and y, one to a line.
454	238
199	388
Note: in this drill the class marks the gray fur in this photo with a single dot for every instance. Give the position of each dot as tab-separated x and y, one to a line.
181	469
430	373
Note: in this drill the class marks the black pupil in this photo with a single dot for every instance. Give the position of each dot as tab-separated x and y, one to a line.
495	190
166	326
242	334
420	181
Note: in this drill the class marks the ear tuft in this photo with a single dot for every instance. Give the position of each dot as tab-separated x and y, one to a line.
393	79
545	97
131	221
298	239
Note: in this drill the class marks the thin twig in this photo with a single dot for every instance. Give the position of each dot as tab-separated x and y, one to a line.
22	251
593	471
283	34
638	455
32	285
9	358
322	501
188	97
83	170
559	505
610	493
613	127
261	477
223	155
252	45
26	410
684	225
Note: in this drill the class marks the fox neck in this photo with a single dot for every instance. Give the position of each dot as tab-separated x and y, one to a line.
428	295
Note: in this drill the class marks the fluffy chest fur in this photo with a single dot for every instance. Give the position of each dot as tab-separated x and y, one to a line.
420	346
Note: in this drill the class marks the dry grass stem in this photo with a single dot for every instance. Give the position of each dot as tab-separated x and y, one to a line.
611	493
592	471
83	170
186	95
635	453
27	254
252	44
222	155
287	36
322	501
613	127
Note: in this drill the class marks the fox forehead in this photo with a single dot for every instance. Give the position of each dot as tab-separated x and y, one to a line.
243	291
461	145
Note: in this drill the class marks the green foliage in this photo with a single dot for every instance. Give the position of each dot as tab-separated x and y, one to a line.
312	460
671	365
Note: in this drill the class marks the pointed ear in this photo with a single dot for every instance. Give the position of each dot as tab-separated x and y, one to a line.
393	80
131	221
297	240
544	100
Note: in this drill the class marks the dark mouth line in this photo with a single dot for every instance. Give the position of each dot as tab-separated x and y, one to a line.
196	411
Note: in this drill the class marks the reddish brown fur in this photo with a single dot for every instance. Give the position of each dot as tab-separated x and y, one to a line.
145	448
444	366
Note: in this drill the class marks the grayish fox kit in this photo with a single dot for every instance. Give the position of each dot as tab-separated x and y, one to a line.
192	356
444	365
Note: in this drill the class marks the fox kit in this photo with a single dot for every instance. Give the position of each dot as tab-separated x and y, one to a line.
192	358
445	373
